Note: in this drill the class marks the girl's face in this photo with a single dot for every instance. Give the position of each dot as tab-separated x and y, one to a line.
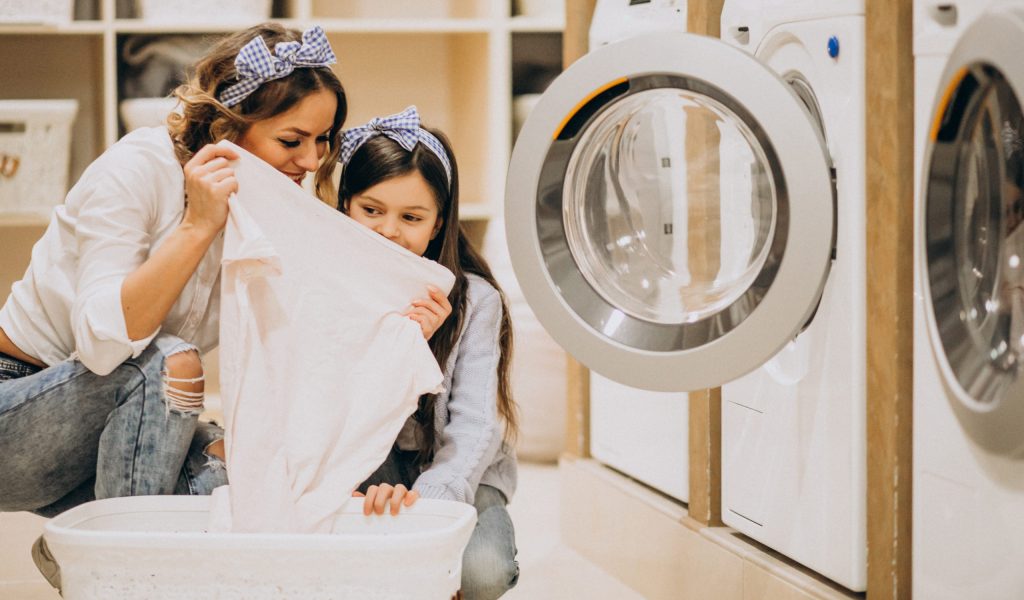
294	141
402	209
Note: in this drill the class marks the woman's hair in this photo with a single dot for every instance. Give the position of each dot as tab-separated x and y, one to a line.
206	120
381	158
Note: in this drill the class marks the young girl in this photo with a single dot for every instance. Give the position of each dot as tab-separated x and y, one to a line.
101	381
401	181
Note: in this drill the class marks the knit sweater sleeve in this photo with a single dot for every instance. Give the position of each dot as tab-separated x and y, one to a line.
470	440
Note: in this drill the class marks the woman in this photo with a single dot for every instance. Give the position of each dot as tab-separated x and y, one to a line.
101	380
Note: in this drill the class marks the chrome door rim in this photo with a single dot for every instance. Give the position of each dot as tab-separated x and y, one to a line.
589	303
802	268
993	410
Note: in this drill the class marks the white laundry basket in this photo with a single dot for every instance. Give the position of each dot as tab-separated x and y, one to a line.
35	150
156	547
147	112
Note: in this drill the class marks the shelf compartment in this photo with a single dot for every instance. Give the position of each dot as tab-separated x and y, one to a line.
536	61
331	25
132	26
403	10
446	76
418	26
75	70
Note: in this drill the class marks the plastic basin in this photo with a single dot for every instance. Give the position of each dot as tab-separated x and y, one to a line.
157	547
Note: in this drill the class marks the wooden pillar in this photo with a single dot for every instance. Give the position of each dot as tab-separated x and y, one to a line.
575	40
890	272
704	17
578	14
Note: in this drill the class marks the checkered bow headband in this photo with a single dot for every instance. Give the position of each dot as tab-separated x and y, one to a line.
403	127
256	65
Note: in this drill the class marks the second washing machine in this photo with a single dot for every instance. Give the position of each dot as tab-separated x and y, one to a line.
794	431
968	525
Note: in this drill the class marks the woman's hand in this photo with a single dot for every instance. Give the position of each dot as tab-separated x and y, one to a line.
209	181
378	497
430	313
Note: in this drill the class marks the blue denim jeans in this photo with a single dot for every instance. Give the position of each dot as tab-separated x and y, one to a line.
68	436
489	567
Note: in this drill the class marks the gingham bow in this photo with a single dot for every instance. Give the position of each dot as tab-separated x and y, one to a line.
256	65
403	127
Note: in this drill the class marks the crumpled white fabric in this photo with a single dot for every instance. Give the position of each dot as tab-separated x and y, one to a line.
319	369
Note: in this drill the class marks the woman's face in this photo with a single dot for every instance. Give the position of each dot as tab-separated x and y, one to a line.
294	141
402	209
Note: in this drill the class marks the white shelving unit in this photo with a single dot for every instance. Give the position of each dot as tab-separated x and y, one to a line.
452	58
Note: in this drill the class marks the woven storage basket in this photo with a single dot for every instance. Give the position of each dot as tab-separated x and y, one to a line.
222	11
36	11
35	148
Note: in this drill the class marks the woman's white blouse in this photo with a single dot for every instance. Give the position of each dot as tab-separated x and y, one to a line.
68	304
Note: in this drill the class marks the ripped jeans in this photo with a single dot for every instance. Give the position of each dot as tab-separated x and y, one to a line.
68	436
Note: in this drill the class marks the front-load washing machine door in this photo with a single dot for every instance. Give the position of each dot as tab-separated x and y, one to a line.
669	212
973	230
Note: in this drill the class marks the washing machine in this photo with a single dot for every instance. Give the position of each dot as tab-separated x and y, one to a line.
794	448
641	433
670	212
968	529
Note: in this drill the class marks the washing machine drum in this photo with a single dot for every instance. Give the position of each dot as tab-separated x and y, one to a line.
669	212
973	231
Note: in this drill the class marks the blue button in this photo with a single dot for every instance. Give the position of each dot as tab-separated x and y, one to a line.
833	46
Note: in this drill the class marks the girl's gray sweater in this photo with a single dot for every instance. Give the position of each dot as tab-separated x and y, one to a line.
469	447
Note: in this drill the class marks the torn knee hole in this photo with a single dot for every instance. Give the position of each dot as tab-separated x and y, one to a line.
184	382
215	450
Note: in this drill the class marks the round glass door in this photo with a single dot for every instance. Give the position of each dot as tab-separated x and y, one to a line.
628	230
974	237
670	220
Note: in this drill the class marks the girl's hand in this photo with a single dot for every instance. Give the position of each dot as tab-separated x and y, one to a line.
209	181
431	313
379	497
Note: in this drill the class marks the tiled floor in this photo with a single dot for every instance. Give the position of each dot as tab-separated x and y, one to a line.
549	570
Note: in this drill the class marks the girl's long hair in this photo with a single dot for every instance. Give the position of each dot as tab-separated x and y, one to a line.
381	158
205	120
